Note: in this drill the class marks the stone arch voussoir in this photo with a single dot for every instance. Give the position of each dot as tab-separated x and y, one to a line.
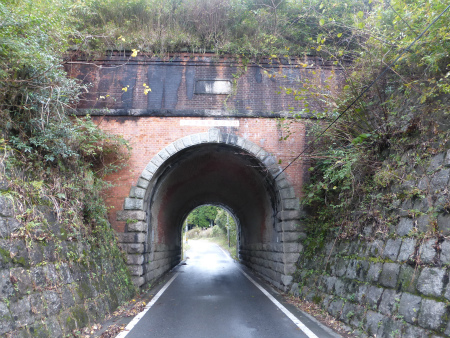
273	261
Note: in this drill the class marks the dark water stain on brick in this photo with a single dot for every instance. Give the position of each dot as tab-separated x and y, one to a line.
172	82
156	82
128	80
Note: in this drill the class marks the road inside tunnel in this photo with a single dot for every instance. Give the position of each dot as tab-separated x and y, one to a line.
211	296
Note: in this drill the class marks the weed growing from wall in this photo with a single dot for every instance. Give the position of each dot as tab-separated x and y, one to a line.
51	162
356	165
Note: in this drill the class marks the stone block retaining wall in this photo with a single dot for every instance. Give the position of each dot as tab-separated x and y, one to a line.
393	279
50	287
275	262
161	260
145	263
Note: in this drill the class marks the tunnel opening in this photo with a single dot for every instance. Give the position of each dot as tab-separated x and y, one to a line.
212	222
222	170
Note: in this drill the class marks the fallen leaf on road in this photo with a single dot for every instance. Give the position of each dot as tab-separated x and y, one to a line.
320	314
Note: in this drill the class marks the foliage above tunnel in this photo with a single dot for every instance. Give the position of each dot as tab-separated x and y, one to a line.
203	216
235	26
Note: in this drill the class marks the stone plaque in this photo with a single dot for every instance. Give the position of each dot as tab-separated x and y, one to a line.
215	87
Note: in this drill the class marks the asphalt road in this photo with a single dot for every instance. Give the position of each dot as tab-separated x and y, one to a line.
210	297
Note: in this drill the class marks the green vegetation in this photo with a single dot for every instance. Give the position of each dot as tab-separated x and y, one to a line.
52	162
249	27
235	26
210	216
358	160
203	216
224	223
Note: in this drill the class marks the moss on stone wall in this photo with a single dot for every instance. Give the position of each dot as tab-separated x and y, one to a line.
391	276
53	287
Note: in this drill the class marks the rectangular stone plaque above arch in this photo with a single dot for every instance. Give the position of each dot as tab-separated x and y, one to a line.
214	87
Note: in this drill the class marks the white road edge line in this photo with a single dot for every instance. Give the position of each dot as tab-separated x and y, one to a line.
227	255
296	321
139	316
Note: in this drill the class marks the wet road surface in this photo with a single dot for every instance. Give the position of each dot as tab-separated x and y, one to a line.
210	297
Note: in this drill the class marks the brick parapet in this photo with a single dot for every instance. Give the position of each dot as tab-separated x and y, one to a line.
117	85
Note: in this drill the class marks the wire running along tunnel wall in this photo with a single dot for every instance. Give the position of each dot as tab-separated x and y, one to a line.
220	169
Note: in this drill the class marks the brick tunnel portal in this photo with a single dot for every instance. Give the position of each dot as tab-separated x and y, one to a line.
219	169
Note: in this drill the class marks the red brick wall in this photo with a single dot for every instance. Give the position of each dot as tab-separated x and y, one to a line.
149	135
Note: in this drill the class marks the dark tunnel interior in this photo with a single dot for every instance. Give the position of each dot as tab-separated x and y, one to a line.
215	174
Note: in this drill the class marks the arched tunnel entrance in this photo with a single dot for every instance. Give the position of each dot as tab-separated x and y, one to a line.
218	169
213	174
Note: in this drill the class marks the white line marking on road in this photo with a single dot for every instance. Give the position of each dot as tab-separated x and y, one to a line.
296	321
147	307
227	255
